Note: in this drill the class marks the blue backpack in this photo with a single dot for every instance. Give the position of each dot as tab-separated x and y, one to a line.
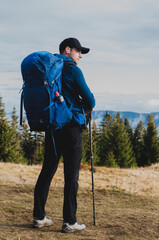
42	81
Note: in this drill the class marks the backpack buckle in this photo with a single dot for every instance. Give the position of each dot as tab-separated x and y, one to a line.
53	81
45	83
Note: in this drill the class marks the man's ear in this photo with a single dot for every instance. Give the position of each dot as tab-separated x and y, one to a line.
68	50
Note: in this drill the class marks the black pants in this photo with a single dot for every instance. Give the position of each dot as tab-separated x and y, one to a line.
68	142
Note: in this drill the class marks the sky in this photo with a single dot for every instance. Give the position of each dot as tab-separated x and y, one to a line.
123	35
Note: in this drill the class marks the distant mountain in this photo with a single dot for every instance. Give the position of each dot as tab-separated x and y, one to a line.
133	117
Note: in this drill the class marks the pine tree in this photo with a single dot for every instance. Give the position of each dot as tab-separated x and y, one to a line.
14	127
85	146
106	121
110	160
128	129
105	152
5	141
9	152
2	108
86	154
118	119
16	135
138	143
151	143
95	136
121	144
14	120
39	152
28	144
32	144
104	147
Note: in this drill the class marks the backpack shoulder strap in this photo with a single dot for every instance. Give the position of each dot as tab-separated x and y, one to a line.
66	63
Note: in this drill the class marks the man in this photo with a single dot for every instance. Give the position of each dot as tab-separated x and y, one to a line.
68	141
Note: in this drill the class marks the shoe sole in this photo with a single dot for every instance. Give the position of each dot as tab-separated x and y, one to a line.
40	226
72	230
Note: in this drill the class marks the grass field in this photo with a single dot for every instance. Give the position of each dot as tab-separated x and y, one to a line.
126	201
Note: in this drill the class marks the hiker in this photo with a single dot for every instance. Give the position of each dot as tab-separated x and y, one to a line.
68	141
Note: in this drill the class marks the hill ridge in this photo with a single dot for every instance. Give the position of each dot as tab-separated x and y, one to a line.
133	117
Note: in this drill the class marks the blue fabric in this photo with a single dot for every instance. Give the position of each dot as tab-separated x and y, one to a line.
42	75
40	66
76	90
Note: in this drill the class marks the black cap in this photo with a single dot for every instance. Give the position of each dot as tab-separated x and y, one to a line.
72	43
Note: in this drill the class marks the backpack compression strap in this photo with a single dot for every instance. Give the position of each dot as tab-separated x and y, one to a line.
21	109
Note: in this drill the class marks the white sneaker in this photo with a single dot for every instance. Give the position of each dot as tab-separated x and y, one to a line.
46	222
68	228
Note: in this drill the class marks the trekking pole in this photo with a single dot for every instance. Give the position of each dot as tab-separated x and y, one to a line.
91	153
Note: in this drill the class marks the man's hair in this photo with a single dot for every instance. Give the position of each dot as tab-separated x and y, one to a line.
61	50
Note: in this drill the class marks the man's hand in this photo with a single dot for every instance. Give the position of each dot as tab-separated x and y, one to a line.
88	115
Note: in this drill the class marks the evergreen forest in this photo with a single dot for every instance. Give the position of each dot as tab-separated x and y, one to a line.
115	144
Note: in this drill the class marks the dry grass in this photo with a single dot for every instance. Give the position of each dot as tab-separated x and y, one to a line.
140	181
127	203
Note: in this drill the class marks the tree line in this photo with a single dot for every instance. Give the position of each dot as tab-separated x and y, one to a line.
18	144
115	144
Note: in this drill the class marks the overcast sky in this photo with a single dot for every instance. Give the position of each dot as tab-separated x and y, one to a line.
123	35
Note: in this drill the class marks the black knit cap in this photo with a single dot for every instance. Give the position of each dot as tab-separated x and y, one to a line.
72	43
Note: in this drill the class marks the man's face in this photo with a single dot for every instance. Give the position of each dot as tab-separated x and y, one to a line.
74	54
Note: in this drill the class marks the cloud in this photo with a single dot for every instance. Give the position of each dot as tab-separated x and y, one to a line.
122	34
154	103
115	27
120	58
10	90
142	103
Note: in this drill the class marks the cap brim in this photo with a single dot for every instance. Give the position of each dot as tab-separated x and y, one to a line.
84	50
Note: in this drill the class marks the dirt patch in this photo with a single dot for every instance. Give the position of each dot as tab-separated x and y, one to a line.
118	215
